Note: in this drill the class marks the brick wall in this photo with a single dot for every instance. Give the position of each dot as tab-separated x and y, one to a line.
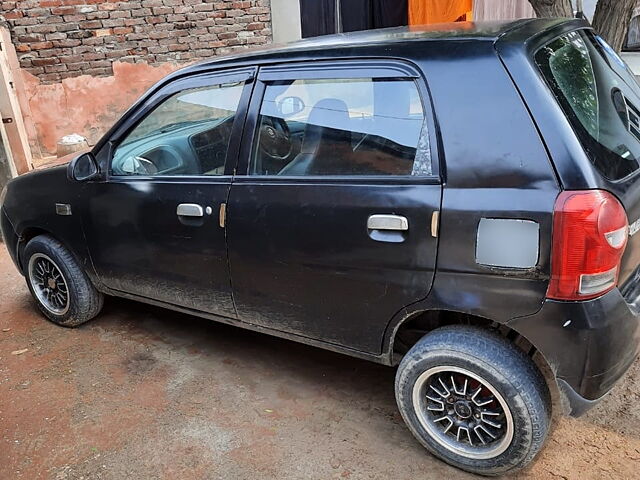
58	39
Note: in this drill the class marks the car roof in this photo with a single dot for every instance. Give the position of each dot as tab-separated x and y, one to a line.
438	31
354	43
442	32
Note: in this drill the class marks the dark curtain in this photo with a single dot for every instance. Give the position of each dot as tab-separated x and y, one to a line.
318	16
356	15
390	13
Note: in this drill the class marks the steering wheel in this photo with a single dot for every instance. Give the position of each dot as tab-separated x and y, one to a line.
138	165
147	166
275	138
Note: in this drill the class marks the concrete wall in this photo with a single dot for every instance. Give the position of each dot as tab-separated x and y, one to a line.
285	17
86	105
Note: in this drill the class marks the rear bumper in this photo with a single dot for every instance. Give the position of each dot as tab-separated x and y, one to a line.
9	236
589	345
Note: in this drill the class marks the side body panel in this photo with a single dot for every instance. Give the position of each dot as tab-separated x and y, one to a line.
496	167
302	260
31	206
139	243
9	236
589	344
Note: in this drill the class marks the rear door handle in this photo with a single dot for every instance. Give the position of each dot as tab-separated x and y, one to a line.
189	210
388	222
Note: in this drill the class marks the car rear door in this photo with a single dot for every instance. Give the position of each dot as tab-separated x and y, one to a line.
332	216
152	223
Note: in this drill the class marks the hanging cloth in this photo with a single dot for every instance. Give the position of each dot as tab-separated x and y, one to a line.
367	14
502	10
422	12
389	13
317	17
356	15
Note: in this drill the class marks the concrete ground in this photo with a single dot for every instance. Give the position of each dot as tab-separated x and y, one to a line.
145	393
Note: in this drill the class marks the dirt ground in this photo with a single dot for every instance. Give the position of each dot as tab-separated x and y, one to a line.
146	393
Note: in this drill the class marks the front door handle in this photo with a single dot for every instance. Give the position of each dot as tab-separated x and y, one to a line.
189	210
388	222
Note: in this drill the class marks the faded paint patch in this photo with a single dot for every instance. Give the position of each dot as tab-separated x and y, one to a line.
85	105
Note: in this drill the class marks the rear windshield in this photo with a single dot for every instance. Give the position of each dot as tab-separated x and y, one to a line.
599	96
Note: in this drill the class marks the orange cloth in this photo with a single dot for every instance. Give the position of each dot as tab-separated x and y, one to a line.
422	12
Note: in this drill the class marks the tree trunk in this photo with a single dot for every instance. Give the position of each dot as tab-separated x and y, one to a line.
612	19
553	8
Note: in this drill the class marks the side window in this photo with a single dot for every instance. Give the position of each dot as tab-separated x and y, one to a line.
357	126
187	134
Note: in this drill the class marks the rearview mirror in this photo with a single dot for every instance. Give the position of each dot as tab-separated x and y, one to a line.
83	167
290	106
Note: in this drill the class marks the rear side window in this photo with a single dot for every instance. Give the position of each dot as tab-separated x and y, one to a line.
599	97
349	126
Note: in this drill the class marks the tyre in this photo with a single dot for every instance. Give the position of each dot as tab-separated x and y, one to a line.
474	400
59	285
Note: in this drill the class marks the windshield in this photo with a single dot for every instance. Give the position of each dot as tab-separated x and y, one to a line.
599	96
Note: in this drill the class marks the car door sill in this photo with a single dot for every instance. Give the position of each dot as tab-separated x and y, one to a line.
382	359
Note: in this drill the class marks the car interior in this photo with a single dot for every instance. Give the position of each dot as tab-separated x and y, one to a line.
340	127
330	137
187	134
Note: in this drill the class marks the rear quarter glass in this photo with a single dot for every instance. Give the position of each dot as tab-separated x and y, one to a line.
599	96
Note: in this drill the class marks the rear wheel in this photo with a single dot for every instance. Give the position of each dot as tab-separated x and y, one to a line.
60	287
474	400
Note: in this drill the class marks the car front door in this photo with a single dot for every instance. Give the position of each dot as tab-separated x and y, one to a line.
331	222
152	223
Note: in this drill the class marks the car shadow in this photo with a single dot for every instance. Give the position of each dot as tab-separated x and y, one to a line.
352	376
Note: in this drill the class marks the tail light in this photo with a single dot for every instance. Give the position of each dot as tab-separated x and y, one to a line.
590	231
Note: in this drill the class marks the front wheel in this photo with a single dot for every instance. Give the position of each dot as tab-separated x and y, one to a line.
474	400
60	287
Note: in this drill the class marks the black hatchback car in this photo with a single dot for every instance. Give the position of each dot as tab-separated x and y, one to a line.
453	200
